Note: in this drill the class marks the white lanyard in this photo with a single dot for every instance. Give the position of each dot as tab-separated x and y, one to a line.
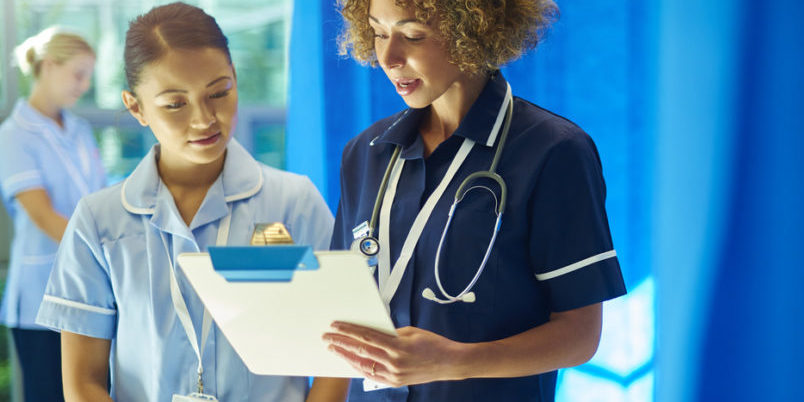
390	278
181	308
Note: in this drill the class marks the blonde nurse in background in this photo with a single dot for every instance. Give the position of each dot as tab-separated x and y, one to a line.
48	161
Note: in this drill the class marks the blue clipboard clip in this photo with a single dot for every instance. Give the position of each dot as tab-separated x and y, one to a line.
273	263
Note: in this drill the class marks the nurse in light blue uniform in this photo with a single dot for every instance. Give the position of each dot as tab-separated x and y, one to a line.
112	278
48	161
38	154
116	294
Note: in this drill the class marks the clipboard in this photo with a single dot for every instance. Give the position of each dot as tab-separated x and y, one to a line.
275	326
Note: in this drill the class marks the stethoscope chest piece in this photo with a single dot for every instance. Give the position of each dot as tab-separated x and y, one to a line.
369	246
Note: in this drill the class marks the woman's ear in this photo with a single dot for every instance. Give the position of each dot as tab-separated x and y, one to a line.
133	106
47	64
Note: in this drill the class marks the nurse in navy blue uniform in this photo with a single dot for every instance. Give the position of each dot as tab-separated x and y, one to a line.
481	314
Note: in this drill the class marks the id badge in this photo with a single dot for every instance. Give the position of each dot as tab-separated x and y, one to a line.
194	397
361	230
371	385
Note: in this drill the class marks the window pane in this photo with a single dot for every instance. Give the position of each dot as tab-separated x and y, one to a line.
257	32
269	144
121	149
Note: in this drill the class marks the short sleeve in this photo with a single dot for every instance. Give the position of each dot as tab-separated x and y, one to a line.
312	217
571	247
79	296
20	169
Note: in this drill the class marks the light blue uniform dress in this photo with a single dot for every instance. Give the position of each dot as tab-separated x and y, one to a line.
112	276
36	153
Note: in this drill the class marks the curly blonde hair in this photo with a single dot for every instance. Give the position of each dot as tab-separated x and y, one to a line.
481	35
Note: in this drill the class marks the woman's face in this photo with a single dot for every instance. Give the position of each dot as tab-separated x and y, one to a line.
189	100
68	81
412	54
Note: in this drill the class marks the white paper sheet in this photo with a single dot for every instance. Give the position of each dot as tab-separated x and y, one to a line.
276	327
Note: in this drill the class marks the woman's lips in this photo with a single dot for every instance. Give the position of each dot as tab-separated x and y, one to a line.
406	87
208	140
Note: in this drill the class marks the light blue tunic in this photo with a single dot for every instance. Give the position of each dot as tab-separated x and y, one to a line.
111	278
35	153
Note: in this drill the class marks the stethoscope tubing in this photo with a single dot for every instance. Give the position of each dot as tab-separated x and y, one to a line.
465	295
375	212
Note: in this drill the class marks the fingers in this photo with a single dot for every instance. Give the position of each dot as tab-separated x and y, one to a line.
365	334
368	367
378	356
357	347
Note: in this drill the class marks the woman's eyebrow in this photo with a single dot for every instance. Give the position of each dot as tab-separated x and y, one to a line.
400	22
167	91
213	82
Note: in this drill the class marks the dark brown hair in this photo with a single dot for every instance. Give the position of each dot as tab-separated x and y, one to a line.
481	35
172	26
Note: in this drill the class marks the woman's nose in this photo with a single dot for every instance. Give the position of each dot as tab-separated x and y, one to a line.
203	117
391	54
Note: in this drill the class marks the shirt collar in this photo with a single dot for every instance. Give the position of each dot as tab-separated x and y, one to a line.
476	125
143	192
30	118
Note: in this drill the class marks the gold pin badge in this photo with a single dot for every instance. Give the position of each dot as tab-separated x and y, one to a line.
270	233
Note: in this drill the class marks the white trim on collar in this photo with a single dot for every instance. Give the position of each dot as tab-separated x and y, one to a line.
248	193
129	207
234	149
500	116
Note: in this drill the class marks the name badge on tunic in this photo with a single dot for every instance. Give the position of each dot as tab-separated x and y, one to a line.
194	397
360	231
270	233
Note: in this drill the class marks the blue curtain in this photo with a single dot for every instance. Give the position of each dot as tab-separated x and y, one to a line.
729	227
694	108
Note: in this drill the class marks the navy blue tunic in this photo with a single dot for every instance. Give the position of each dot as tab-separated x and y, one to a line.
553	253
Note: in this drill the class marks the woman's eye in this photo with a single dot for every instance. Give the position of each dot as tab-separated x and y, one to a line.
380	36
174	105
220	94
414	38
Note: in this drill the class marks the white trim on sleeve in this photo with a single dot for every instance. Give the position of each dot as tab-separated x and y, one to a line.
82	306
576	266
38	259
22	176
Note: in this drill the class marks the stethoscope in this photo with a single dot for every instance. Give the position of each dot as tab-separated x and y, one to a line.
369	244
